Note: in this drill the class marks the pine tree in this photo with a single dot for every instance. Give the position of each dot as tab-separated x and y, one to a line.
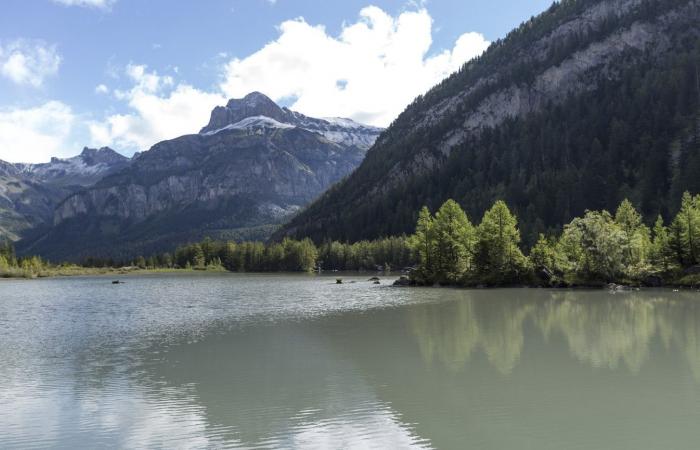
661	250
454	238
687	227
637	236
423	243
497	244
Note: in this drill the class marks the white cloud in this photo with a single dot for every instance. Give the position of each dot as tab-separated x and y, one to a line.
36	134
99	4
101	89
28	62
160	109
370	72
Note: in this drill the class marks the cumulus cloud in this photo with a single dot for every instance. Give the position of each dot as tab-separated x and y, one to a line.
159	109
99	4
369	72
101	89
36	134
28	62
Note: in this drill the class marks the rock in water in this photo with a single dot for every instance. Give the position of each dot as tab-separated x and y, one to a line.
402	281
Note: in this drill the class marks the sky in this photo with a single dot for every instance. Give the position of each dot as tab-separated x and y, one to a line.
130	73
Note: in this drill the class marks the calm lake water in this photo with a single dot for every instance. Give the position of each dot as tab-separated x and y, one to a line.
281	361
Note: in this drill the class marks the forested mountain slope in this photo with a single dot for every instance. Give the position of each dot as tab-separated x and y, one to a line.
588	103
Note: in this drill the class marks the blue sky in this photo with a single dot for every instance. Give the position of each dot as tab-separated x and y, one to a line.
127	73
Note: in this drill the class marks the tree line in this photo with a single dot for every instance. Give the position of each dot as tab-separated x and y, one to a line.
13	266
287	256
447	248
597	248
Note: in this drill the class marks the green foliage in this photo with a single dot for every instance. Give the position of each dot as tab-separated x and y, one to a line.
686	231
455	240
544	257
392	252
11	266
7	252
423	244
293	256
498	257
661	254
591	250
453	251
637	237
594	247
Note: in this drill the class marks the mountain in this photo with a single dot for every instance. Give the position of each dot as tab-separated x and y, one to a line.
248	170
588	103
256	106
30	192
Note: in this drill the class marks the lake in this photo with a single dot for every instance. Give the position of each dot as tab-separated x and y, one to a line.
296	361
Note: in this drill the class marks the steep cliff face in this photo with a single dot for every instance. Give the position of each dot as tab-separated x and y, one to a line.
576	49
289	166
253	166
30	192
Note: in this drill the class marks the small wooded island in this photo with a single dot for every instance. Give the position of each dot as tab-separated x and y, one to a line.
448	249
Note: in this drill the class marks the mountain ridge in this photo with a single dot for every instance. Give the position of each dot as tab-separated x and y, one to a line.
30	191
245	172
441	145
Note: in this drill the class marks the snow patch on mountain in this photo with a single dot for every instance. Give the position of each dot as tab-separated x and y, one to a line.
256	110
249	123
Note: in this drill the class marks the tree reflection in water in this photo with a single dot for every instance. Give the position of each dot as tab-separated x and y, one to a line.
600	329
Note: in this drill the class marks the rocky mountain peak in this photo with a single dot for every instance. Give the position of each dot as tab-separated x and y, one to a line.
258	110
103	155
237	109
253	100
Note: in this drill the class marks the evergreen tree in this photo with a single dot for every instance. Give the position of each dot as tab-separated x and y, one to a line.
637	235
661	251
423	243
454	242
497	251
687	230
543	256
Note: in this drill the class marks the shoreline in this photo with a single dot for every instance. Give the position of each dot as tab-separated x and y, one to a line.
67	272
395	280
